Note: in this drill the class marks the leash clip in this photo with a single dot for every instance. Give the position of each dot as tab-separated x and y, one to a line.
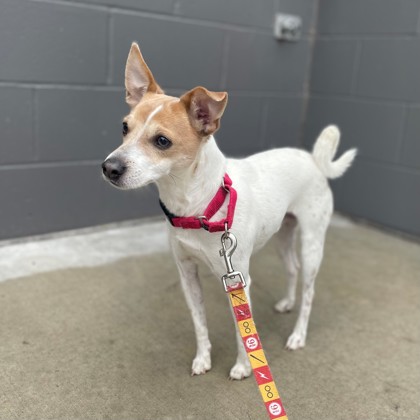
226	253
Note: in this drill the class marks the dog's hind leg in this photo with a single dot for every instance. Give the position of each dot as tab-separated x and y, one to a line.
193	295
287	236
313	227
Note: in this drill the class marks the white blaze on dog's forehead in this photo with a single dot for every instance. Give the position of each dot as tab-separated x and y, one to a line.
148	119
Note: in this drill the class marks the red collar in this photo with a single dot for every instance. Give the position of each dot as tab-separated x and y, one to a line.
203	222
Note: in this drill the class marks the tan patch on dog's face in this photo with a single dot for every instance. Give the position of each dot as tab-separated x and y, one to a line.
154	116
172	122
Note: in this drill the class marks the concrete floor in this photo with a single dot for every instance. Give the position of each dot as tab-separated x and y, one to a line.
115	341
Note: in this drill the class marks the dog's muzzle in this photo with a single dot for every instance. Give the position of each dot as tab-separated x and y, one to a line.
113	169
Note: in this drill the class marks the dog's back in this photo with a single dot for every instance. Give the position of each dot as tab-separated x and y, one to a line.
289	180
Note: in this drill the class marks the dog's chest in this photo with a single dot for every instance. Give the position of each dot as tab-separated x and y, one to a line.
200	245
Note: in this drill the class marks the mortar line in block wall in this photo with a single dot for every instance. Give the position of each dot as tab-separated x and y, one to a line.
306	94
265	94
35	124
361	98
194	21
170	16
159	15
418	23
401	135
403	168
78	4
110	48
120	88
263	121
64	86
52	164
175	6
366	36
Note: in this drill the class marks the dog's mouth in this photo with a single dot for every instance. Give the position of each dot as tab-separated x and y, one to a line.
120	183
114	182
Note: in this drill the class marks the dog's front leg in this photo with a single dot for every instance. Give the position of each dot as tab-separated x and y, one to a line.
191	286
242	368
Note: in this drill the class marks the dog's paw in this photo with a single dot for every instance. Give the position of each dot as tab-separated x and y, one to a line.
200	365
240	371
284	305
295	341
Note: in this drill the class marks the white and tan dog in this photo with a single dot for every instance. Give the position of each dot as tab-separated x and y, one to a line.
169	141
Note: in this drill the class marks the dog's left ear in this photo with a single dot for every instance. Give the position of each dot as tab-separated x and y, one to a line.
138	77
205	109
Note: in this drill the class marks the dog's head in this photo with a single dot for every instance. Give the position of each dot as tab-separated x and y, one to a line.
161	134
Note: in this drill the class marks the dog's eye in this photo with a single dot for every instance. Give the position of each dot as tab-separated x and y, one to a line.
124	128
162	143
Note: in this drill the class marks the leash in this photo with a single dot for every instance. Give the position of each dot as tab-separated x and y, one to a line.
249	333
234	283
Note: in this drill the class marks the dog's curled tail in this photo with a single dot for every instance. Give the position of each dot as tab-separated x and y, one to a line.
324	151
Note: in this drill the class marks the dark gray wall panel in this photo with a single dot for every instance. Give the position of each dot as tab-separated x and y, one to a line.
390	68
333	66
16	128
180	55
159	6
240	12
368	16
411	141
387	195
282	122
259	62
59	43
240	132
374	128
365	75
253	124
62	93
79	124
46	199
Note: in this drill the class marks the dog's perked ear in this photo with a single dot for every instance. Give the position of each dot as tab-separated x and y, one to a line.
138	77
205	109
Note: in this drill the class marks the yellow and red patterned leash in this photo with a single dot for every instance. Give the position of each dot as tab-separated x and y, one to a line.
248	331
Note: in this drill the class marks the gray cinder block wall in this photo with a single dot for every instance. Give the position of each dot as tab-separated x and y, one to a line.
62	96
365	77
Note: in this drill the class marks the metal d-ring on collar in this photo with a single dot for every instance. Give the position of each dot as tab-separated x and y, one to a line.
201	219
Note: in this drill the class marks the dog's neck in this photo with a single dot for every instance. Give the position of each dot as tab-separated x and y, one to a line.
188	192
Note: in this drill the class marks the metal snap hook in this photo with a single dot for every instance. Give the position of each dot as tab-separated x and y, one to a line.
227	251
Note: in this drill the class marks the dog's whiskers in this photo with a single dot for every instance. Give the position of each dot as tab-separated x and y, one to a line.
174	177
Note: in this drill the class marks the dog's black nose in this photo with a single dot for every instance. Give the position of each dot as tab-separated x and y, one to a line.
113	168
